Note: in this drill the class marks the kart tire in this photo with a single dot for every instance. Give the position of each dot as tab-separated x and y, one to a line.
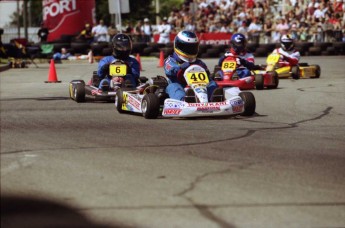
275	79
150	106
259	81
317	71
295	72
119	101
78	90
249	103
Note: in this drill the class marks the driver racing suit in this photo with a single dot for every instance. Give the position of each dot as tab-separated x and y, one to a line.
133	69
174	68
245	63
288	58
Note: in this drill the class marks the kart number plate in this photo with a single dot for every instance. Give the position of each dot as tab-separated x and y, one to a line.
118	70
229	65
273	58
197	78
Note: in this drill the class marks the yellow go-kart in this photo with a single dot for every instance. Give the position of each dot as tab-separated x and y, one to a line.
284	70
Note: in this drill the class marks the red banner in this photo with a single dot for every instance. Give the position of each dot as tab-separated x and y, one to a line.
67	17
205	38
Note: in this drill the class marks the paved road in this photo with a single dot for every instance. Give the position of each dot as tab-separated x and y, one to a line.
283	167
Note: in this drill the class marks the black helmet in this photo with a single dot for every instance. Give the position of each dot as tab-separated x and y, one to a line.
238	43
122	45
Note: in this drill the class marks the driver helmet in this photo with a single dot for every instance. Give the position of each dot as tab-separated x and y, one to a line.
287	42
238	43
186	46
122	45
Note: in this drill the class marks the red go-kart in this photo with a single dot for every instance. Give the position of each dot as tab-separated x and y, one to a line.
267	80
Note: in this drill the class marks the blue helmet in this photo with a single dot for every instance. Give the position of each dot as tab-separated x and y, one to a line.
186	46
238	43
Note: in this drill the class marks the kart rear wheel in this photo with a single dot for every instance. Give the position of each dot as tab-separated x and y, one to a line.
150	106
119	101
317	71
259	81
295	72
249	103
275	78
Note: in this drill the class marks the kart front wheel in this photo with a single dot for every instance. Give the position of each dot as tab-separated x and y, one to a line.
249	103
259	81
295	72
150	106
77	91
119	101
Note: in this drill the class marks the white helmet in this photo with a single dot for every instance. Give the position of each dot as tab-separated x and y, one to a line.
287	42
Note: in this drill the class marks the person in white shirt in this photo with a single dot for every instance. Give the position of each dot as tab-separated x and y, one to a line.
254	31
146	30
100	32
164	32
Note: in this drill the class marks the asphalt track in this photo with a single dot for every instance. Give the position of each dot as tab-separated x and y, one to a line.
68	163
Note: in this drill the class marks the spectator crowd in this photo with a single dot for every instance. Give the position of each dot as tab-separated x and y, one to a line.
261	21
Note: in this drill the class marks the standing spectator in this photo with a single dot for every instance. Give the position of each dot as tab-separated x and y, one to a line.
254	31
189	26
112	31
138	37
86	34
100	32
282	27
43	33
146	30
243	29
164	32
268	28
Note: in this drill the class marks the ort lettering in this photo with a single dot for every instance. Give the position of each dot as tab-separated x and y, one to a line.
55	8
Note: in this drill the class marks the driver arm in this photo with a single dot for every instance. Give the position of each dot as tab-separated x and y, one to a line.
103	66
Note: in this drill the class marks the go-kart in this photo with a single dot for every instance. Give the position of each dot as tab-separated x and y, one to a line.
257	81
152	101
79	91
275	63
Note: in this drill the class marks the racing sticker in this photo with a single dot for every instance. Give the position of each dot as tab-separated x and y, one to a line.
197	77
124	104
133	102
237	105
172	111
229	65
213	104
116	70
208	109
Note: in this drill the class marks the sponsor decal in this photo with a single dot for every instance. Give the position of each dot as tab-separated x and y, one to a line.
67	17
133	102
173	105
237	105
172	111
96	92
214	104
208	109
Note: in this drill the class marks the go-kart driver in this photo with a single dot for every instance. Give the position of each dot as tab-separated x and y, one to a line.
186	47
122	47
244	60
289	56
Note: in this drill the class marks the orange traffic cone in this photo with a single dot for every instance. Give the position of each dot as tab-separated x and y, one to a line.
52	78
138	59
161	59
90	56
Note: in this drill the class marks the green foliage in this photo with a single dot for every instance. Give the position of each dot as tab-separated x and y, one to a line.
168	6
